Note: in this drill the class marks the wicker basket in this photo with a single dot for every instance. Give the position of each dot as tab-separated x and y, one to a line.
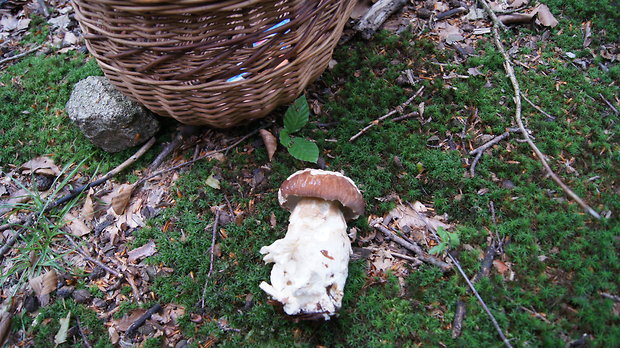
216	63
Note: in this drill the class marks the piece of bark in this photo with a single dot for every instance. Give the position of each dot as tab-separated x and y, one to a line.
377	15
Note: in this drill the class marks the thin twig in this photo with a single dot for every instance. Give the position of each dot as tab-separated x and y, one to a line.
415	248
143	318
492	14
83	334
484	305
212	252
459	315
609	104
74	193
17	56
610	296
494	141
208	154
537	107
535	314
416	261
134	288
171	146
399	109
517	99
95	261
9	243
480	150
405	116
461	307
183	132
492	209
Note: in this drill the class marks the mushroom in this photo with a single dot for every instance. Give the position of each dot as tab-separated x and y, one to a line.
311	262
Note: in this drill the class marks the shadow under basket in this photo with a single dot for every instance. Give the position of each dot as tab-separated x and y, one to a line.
215	63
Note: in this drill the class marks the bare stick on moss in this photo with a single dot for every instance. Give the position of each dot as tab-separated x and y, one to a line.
398	109
85	340
18	56
376	15
485	267
517	99
212	252
537	107
611	106
480	150
461	307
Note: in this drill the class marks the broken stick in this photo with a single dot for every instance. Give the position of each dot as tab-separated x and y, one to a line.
74	193
143	318
376	15
412	247
480	150
399	109
213	237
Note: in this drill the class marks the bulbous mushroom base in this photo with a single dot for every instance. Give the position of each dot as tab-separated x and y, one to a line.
311	262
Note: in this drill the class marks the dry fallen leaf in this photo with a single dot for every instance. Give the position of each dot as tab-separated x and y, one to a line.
88	209
18	197
61	335
516	18
120	197
518	3
213	182
415	217
587	33
77	227
500	266
271	143
114	336
41	165
545	17
139	253
44	284
449	33
125	322
170	313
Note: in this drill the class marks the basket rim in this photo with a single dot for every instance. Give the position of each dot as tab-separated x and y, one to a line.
149	5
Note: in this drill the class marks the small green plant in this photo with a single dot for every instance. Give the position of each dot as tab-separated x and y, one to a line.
43	232
295	119
447	240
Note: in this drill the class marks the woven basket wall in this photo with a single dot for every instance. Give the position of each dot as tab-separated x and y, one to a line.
181	58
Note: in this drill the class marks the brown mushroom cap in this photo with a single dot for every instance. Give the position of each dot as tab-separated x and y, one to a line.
316	183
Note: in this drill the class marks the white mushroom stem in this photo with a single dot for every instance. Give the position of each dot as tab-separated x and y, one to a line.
311	261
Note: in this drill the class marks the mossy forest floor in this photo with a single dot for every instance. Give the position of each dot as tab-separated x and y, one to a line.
554	283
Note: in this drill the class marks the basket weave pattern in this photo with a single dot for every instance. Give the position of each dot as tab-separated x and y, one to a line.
216	63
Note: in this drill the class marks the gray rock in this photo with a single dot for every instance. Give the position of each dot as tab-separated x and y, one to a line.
108	118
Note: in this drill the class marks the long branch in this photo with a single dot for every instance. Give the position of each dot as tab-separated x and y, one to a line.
517	99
